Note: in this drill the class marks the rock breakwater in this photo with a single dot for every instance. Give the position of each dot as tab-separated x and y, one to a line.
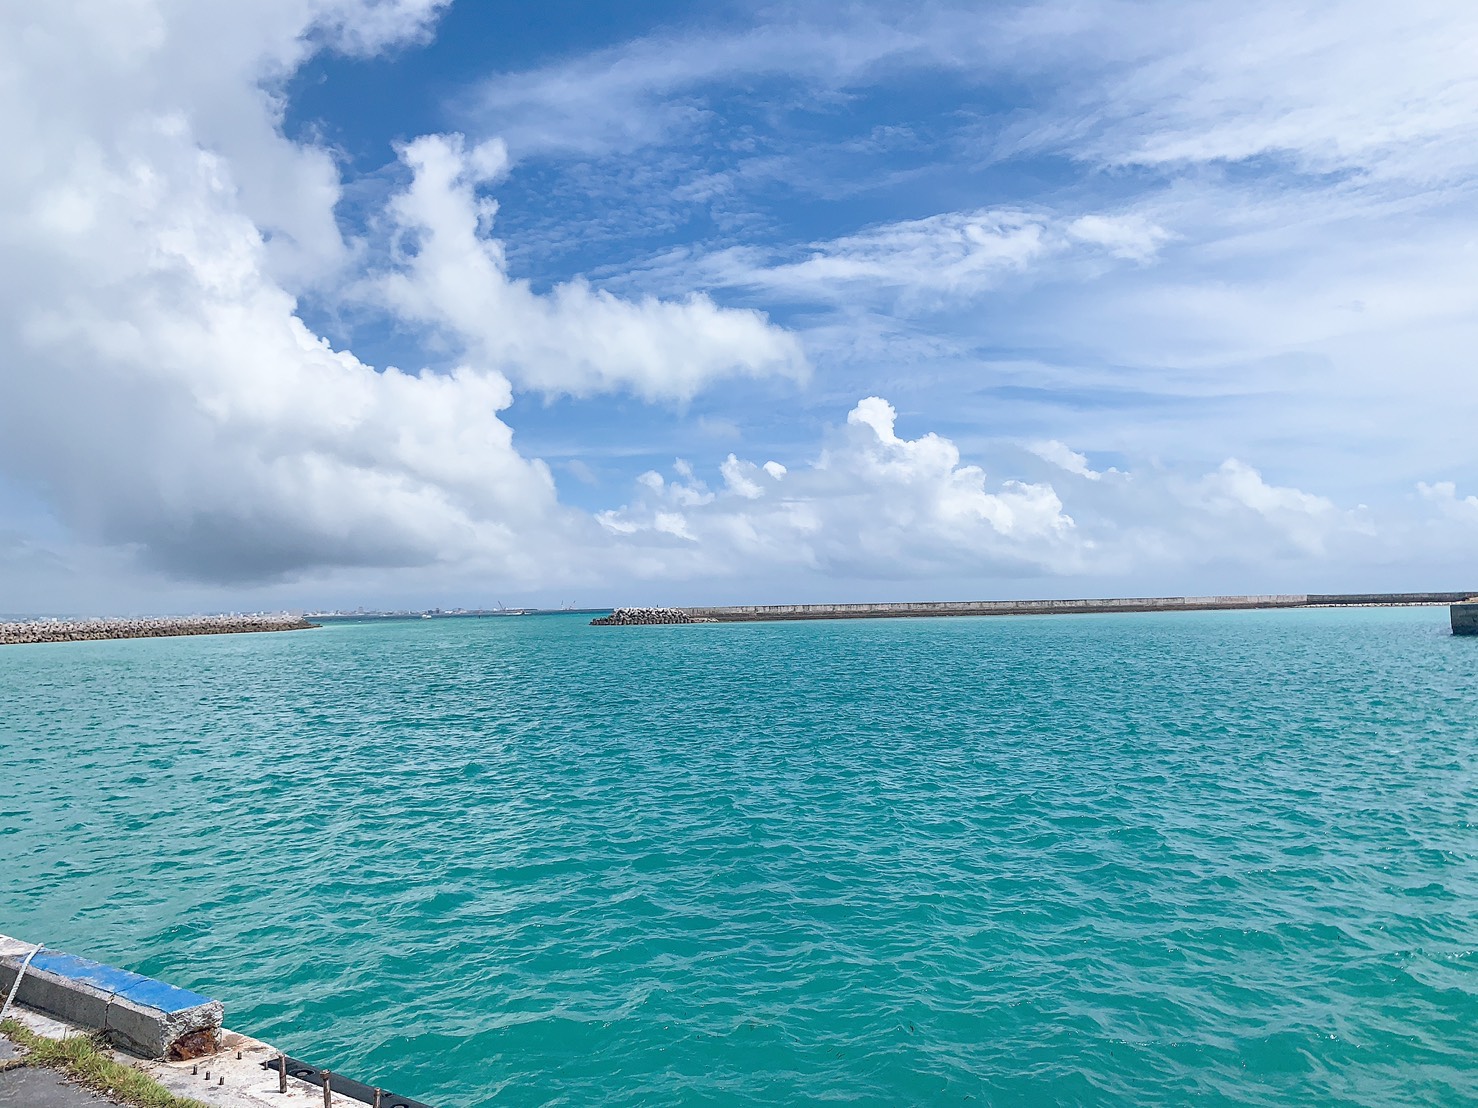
626	617
81	630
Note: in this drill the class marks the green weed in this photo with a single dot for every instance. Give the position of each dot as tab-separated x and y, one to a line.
81	1059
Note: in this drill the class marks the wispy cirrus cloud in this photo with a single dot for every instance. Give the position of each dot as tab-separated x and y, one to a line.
1364	85
946	256
1386	90
650	90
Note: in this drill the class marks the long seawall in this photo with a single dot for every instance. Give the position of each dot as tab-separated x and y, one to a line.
745	613
81	630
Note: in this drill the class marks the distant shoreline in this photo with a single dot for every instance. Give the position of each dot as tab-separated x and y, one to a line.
27	632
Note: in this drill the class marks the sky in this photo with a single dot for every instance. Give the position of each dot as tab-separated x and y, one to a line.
405	303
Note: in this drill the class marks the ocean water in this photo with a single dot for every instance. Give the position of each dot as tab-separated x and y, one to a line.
1211	858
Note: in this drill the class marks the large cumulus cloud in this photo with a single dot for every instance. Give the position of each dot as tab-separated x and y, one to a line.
158	383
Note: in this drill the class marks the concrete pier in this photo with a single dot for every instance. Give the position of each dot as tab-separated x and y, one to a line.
1465	617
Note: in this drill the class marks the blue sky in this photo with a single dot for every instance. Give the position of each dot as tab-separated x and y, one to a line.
394	301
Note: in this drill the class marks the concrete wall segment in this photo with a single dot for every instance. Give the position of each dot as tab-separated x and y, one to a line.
142	1015
76	1002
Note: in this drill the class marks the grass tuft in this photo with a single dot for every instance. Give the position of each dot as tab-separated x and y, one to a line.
81	1059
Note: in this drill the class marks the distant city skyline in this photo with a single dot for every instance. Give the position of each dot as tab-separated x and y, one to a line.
407	304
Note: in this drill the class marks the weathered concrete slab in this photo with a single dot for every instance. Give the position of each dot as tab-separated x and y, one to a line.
147	1017
238	1082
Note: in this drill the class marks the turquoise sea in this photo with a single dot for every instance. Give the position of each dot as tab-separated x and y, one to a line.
1210	858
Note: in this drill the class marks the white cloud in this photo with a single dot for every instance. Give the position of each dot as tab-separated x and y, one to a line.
873	504
1443	494
369	26
158	385
650	89
1304	518
1363	84
1064	457
1273	208
738	479
1389	89
1238	483
672	523
941	257
1131	237
96	86
749	480
575	339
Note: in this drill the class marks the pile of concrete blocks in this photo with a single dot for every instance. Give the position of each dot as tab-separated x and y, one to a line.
82	630
626	617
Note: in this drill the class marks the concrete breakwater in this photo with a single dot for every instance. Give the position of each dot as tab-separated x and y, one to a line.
758	612
747	613
627	617
80	630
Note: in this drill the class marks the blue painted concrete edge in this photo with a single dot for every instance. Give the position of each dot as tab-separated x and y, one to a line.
135	987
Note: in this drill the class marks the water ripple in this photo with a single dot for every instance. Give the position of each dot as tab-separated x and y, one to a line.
1220	857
